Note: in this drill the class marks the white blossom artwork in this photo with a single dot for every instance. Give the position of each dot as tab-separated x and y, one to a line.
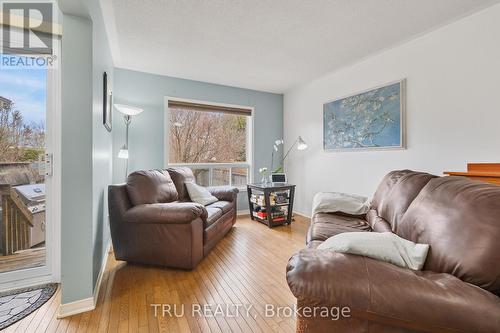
369	120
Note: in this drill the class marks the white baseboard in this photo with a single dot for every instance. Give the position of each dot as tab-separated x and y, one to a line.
86	304
97	287
246	212
73	308
302	214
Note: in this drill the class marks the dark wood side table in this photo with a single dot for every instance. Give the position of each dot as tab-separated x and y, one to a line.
259	200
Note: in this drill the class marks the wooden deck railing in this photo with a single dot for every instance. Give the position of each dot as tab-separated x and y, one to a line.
15	228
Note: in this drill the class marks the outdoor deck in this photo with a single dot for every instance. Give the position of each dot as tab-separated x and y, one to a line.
22	260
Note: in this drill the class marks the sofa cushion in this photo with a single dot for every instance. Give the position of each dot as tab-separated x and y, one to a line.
150	187
213	215
460	220
225	206
216	231
165	213
180	176
396	192
377	223
325	225
407	300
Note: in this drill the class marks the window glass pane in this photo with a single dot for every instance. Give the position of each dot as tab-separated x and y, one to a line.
239	177
206	137
220	177
23	94
202	176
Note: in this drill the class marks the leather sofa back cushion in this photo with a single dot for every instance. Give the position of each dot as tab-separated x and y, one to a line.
377	223
460	220
396	192
180	176
150	186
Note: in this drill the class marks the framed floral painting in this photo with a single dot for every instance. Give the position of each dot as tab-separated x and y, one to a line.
373	119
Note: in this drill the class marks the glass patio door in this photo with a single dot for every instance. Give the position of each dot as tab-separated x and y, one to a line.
28	191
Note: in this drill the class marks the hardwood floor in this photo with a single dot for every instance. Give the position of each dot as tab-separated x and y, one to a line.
247	268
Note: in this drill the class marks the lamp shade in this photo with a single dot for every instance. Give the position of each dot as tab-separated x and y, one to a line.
301	144
123	153
128	110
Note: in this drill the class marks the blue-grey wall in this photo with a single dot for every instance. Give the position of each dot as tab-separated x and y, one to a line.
86	150
76	164
146	141
102	142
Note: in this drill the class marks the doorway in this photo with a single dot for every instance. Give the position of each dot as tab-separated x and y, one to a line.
29	176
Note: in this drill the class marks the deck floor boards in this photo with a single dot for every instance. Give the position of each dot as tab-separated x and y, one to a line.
22	260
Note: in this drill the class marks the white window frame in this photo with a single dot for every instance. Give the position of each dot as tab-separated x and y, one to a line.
211	166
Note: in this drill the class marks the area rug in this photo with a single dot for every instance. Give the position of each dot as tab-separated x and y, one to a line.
19	303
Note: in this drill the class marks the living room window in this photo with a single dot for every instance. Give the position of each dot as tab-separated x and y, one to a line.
214	140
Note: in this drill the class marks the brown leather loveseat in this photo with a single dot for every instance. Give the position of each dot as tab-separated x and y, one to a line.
154	222
459	287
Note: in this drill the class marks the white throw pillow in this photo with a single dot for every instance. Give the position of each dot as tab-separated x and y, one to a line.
331	202
384	246
199	194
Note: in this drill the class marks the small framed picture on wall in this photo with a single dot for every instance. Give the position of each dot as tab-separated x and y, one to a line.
107	103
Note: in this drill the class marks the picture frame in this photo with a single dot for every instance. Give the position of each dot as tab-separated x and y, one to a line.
107	104
373	119
278	177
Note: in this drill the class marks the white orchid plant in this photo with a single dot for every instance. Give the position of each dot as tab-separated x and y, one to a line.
276	145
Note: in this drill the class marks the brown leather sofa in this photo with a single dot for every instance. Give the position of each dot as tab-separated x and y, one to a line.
154	222
457	291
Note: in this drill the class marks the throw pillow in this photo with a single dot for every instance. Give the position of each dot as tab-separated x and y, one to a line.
331	202
384	246
199	194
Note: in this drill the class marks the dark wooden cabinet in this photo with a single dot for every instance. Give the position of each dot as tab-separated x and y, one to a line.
267	203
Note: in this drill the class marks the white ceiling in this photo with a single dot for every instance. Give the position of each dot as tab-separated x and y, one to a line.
269	45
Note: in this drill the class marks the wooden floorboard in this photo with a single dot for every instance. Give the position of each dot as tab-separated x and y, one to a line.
22	260
246	268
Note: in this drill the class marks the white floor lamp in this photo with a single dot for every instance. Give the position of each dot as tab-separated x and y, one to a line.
301	145
128	111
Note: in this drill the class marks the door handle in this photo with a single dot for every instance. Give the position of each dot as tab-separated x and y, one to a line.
48	165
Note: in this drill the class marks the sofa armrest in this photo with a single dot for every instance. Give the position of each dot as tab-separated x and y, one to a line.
387	294
165	213
118	201
224	193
